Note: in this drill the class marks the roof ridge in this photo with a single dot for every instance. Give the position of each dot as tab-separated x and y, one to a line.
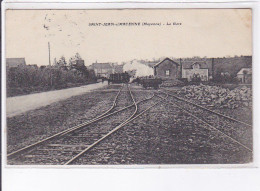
167	58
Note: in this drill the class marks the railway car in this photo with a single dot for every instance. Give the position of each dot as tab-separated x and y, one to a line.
151	82
119	78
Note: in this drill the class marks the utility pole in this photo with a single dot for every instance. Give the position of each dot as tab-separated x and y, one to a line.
49	53
50	62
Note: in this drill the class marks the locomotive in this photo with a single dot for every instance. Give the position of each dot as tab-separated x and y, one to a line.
119	78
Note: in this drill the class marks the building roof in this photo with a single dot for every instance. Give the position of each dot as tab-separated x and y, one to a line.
150	64
189	64
247	70
119	68
101	66
164	60
14	62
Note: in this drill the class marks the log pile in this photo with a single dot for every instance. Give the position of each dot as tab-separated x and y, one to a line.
215	96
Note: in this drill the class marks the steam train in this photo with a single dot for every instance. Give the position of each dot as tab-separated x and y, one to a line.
119	78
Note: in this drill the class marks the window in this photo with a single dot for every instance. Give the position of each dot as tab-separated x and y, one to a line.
167	72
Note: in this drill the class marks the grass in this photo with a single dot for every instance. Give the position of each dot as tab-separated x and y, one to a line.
18	91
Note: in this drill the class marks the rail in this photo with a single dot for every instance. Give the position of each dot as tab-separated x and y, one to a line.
211	126
204	108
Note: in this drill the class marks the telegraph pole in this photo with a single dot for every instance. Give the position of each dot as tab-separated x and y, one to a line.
49	49
49	53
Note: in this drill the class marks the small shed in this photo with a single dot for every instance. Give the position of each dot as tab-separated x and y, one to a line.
166	69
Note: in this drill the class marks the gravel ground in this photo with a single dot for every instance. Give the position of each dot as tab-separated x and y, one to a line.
242	114
140	93
166	135
35	125
53	153
124	99
163	135
238	131
112	87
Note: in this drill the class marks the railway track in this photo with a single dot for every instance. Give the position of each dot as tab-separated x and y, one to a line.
134	115
40	150
146	107
72	146
107	134
190	111
24	149
208	110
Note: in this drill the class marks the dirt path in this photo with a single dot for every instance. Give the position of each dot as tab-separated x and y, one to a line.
20	104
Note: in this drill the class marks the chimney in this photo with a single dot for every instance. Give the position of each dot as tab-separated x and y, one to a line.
49	53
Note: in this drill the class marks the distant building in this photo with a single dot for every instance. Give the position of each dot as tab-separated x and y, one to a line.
15	62
196	69
103	69
118	68
245	75
167	69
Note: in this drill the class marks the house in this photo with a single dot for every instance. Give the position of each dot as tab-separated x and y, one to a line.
167	69
119	68
245	75
195	70
103	69
15	62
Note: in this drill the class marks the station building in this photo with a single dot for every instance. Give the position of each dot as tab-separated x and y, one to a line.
167	69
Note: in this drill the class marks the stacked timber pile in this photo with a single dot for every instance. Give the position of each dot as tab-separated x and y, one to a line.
218	97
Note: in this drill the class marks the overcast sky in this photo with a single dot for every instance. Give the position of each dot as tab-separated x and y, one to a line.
211	33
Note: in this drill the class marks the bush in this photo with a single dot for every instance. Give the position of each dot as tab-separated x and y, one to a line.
27	79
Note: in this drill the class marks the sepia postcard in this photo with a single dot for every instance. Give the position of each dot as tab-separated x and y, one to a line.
128	87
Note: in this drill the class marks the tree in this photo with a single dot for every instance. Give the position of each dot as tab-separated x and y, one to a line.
71	63
55	62
73	59
62	62
77	56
